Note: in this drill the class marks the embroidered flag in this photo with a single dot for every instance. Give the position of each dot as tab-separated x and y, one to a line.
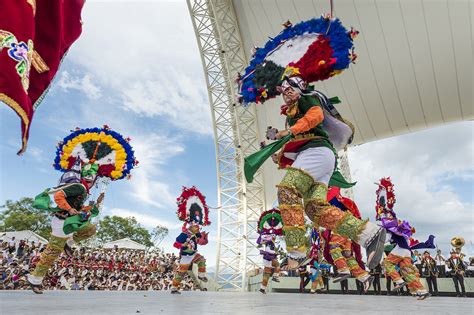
34	37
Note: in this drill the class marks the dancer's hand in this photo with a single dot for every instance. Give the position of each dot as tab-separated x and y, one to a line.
100	199
275	158
73	211
281	134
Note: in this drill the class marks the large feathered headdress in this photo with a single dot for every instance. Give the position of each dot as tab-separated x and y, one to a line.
95	152
313	50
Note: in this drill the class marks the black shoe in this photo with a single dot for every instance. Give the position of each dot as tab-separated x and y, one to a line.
263	291
175	291
275	279
38	289
68	250
422	296
341	276
399	286
203	278
374	249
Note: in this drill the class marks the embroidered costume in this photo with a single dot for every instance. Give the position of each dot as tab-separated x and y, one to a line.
399	243
83	156
34	38
342	252
193	210
269	227
307	52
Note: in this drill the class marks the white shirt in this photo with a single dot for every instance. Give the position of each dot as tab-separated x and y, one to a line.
440	260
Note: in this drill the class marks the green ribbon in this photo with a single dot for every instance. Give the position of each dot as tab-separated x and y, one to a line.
253	162
71	224
338	180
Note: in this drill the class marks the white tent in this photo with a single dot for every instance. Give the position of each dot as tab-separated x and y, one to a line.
22	235
125	243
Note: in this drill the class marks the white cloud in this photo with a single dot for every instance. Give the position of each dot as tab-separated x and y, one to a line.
419	165
83	84
153	152
148	221
145	56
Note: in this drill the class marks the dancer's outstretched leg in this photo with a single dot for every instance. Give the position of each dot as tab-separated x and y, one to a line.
201	262
295	184
184	264
363	232
267	273
335	249
412	278
390	263
48	257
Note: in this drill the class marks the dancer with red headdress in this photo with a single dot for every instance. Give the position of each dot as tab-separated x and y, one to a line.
399	242
269	227
193	210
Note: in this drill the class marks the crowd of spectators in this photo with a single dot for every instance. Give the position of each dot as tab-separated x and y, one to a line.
114	269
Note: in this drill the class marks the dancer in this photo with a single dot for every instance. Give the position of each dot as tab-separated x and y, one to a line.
269	227
315	132
193	210
315	266
83	156
340	251
399	237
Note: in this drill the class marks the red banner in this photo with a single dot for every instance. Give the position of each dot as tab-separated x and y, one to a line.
34	37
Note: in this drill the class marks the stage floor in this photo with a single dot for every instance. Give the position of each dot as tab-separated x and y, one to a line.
153	302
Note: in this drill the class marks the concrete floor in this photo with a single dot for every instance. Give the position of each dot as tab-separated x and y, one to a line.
150	302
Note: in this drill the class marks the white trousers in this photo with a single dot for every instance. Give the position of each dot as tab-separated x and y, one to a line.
402	252
57	228
318	162
187	259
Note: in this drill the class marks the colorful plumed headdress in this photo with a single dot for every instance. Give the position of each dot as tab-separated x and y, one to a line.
270	222
192	207
94	152
385	196
313	50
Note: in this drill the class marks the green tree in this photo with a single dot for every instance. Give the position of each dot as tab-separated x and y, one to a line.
158	234
20	215
112	228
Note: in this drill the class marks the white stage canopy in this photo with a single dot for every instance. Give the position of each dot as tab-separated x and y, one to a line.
414	65
125	243
22	235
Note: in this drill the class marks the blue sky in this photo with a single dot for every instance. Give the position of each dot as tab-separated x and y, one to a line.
137	68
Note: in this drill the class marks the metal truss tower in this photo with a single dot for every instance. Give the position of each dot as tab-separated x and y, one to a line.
236	136
343	164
